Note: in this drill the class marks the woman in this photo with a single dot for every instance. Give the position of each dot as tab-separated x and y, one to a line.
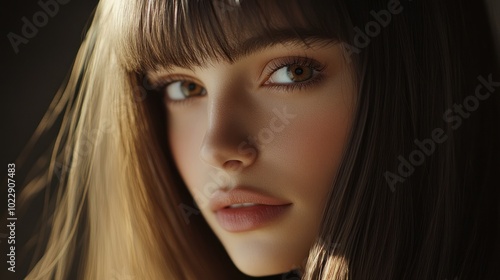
318	139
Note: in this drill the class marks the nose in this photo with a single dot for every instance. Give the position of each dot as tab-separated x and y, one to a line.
225	144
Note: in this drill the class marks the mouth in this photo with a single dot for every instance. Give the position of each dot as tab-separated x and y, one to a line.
240	205
243	209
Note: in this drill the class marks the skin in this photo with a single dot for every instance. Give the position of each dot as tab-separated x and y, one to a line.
209	137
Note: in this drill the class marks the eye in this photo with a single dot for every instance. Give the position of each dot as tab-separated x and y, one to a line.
180	90
291	73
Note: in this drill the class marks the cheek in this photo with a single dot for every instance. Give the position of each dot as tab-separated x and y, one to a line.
311	154
313	143
186	132
322	143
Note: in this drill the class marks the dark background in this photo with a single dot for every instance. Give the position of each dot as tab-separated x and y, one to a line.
29	80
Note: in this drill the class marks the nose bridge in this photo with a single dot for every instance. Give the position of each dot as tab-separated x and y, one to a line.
224	121
228	127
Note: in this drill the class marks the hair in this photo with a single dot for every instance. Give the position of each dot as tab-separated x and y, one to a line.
119	206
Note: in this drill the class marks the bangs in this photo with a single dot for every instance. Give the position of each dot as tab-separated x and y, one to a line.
187	33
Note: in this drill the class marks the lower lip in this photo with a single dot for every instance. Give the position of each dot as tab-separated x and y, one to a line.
249	218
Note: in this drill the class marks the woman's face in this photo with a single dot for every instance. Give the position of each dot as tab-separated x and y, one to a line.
267	130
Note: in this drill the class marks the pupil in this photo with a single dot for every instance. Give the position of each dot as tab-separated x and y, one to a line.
191	86
299	71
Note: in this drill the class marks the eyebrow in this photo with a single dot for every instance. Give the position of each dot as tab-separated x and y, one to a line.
296	37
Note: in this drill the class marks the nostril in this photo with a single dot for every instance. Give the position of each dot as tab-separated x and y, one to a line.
233	165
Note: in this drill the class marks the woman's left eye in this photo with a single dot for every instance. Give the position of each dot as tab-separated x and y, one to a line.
291	72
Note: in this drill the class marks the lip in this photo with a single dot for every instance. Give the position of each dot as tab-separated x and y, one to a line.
266	210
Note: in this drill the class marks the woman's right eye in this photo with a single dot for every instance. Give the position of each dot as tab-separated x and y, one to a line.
180	90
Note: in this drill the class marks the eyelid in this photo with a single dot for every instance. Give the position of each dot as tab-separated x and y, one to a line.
279	63
160	82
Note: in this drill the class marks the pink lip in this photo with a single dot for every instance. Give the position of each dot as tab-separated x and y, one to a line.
246	218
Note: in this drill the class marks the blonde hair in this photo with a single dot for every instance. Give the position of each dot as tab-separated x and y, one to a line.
103	199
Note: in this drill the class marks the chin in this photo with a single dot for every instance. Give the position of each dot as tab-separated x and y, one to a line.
259	263
257	270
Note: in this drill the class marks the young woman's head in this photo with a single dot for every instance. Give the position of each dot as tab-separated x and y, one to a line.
214	139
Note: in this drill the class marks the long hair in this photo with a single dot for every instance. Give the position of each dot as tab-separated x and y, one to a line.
416	196
403	206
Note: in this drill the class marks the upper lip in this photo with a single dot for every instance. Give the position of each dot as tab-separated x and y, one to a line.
221	199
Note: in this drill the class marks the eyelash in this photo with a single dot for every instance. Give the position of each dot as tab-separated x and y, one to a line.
161	85
289	61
